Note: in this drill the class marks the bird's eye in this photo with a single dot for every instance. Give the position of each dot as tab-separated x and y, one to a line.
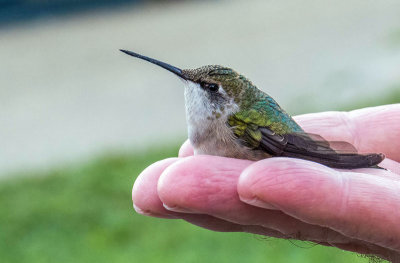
213	87
210	86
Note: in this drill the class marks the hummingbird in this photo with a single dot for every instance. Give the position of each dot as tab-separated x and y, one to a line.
227	115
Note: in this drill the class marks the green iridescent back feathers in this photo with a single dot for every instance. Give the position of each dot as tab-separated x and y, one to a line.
264	112
257	108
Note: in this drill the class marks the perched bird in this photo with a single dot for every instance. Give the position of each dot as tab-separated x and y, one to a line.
227	115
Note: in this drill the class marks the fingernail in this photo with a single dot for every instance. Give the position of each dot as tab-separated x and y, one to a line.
177	209
141	211
152	214
257	202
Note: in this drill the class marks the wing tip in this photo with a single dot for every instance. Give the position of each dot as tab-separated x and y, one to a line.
377	158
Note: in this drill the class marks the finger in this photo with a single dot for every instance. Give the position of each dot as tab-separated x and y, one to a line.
360	206
186	149
375	129
216	224
144	192
208	185
147	202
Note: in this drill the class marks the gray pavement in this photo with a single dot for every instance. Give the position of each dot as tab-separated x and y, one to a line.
66	93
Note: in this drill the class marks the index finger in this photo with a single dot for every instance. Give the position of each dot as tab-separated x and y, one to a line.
375	129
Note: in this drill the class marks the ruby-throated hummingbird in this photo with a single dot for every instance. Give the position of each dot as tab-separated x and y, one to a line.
229	116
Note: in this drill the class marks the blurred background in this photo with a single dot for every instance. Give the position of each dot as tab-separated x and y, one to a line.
79	120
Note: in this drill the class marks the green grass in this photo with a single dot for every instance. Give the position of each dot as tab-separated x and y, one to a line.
84	214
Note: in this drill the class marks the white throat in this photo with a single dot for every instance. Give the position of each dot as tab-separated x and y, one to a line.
198	108
205	120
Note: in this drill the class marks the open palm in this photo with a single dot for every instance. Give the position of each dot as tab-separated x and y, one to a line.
356	210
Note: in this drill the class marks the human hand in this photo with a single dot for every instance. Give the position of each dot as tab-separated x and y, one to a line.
356	210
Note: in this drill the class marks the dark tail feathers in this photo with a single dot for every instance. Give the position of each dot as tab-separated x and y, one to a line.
342	160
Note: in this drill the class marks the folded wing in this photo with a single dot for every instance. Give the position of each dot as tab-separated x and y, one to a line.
313	147
281	137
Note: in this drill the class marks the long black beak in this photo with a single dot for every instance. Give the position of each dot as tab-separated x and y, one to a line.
175	70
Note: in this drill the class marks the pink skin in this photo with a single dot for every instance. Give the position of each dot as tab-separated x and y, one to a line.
356	210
